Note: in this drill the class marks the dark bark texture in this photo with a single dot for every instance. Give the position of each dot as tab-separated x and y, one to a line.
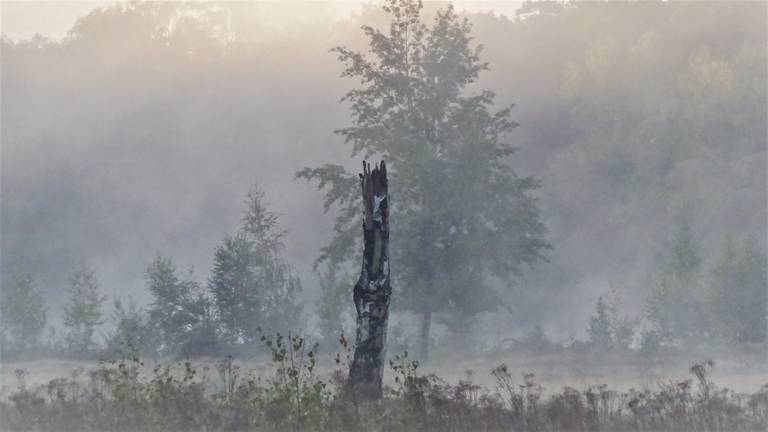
372	291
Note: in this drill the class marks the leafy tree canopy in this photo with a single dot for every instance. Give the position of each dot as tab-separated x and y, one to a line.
461	215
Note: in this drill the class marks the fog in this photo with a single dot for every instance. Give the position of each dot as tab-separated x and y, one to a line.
142	131
575	190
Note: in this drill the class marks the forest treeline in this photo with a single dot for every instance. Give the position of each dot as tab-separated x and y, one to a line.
252	293
635	152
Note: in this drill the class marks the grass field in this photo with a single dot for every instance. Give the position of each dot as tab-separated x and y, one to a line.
492	391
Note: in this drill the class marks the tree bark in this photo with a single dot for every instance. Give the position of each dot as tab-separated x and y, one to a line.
426	324
372	290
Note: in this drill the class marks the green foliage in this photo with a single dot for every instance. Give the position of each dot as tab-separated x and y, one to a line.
180	311
599	329
630	110
650	99
462	213
83	313
296	385
131	329
204	337
334	308
253	287
684	262
22	311
234	288
676	304
608	329
732	305
739	292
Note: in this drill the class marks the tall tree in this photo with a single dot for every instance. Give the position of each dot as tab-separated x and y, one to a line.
22	311
463	216
83	313
252	286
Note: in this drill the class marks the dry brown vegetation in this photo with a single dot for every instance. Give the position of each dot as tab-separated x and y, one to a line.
123	394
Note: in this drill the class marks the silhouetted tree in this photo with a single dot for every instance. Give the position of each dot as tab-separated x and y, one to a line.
675	305
608	328
180	310
83	313
252	286
22	311
599	330
463	215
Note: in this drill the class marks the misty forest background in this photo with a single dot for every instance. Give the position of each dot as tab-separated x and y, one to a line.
153	171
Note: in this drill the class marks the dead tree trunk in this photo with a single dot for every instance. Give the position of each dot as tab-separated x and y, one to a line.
372	291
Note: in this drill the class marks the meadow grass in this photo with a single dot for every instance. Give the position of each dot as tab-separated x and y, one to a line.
125	394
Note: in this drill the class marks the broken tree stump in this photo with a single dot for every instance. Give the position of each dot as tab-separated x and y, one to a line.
372	290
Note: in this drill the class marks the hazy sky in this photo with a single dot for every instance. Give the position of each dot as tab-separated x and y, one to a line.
22	19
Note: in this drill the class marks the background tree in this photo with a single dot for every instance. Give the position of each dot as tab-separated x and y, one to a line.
180	310
22	311
675	305
132	331
627	108
599	330
252	286
83	313
235	289
739	292
608	328
463	216
204	336
685	260
334	307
